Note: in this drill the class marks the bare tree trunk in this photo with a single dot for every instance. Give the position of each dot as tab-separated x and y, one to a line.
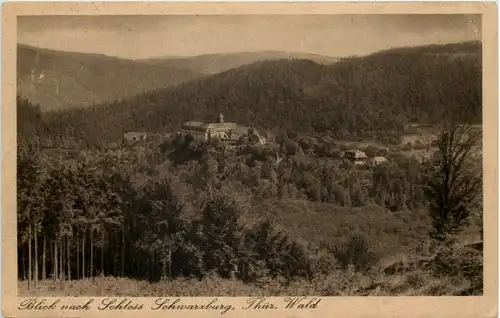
412	195
23	264
44	259
61	262
35	281
123	253
150	272
170	258
77	258
55	269
68	258
165	259
29	256
102	253
153	273
83	255
114	252
91	255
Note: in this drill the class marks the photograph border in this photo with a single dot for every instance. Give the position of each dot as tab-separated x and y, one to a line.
398	306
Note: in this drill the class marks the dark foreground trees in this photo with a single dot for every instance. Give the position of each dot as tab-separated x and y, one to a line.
120	214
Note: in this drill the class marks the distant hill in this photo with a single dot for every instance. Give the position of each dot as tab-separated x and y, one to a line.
360	96
59	80
216	63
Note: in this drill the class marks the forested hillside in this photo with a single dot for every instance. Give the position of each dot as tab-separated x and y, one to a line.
60	80
216	63
358	96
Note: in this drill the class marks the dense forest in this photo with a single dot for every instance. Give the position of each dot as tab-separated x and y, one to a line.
373	95
291	210
180	208
129	203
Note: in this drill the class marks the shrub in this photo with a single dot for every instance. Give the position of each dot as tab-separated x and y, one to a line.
272	253
323	260
354	251
465	262
220	233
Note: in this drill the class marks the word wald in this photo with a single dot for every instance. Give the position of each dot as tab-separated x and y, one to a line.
291	303
302	302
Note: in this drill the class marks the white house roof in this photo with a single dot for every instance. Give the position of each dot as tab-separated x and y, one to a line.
356	154
221	126
200	125
193	124
379	159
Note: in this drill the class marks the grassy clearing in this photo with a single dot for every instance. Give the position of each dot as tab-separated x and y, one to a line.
403	280
388	232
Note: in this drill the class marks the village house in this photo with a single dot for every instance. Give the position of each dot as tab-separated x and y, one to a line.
131	138
227	132
378	160
356	157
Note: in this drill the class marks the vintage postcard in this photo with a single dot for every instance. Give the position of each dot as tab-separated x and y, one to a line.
249	159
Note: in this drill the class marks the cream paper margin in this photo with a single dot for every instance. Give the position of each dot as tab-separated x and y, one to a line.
484	306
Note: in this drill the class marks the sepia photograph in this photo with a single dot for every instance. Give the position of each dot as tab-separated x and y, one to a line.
331	155
247	155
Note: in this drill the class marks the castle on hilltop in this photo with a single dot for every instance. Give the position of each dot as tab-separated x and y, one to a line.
227	132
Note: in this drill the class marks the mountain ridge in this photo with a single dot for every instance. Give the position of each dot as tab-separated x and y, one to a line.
219	62
65	79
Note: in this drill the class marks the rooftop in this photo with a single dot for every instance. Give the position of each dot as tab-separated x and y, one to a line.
134	133
193	123
220	126
356	153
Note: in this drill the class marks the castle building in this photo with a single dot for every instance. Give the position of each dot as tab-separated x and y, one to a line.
226	132
357	157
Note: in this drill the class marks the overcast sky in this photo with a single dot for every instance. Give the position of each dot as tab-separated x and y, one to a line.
154	36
